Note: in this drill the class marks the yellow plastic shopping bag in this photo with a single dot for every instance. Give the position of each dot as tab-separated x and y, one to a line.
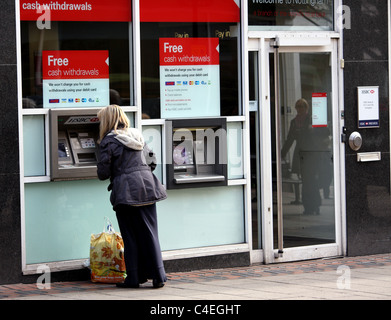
107	256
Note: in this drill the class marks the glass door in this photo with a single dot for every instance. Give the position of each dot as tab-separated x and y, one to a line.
255	150
307	195
299	154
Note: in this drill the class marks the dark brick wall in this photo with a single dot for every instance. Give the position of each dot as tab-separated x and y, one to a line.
367	184
10	234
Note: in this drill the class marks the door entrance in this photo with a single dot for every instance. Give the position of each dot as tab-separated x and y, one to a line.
295	152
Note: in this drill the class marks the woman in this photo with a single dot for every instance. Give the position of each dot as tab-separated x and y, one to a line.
127	161
305	158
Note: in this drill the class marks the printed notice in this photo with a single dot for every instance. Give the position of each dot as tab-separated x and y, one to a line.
368	107
73	78
189	77
319	109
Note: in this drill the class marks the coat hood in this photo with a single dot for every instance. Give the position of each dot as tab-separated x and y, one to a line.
131	138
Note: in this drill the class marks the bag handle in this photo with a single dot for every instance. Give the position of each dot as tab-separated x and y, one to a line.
109	226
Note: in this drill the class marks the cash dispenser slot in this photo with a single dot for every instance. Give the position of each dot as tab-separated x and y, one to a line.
74	147
197	153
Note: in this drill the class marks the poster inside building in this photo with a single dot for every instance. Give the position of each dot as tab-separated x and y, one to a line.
75	78
319	109
189	77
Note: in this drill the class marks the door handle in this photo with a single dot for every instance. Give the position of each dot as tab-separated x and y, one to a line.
343	135
355	141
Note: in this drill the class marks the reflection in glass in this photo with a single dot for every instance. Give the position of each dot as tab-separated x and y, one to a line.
72	35
296	15
255	151
307	158
151	32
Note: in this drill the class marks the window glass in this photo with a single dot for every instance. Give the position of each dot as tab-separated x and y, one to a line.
83	38
184	102
305	15
34	145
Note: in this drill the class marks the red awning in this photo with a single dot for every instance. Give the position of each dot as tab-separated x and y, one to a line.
189	11
76	10
120	10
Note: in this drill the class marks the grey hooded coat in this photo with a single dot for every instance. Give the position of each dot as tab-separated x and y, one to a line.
128	162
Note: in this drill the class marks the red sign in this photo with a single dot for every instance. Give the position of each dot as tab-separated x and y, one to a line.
76	10
75	64
319	95
120	10
189	51
189	11
319	109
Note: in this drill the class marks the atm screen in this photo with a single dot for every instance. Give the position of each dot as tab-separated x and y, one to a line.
62	153
183	153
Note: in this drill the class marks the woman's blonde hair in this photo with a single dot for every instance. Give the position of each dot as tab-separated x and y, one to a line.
302	103
111	118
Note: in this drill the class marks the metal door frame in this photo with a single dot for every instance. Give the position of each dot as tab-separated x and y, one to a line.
265	45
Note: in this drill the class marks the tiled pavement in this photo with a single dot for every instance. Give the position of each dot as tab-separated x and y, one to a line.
367	277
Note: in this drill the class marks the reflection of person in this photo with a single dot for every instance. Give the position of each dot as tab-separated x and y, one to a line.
135	191
62	153
115	97
28	103
304	162
326	162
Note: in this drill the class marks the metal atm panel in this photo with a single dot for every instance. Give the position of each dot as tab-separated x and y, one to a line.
73	143
196	153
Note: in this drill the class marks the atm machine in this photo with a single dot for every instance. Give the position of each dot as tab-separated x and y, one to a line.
73	143
196	153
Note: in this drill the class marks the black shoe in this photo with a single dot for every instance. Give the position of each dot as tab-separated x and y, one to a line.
157	284
125	285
